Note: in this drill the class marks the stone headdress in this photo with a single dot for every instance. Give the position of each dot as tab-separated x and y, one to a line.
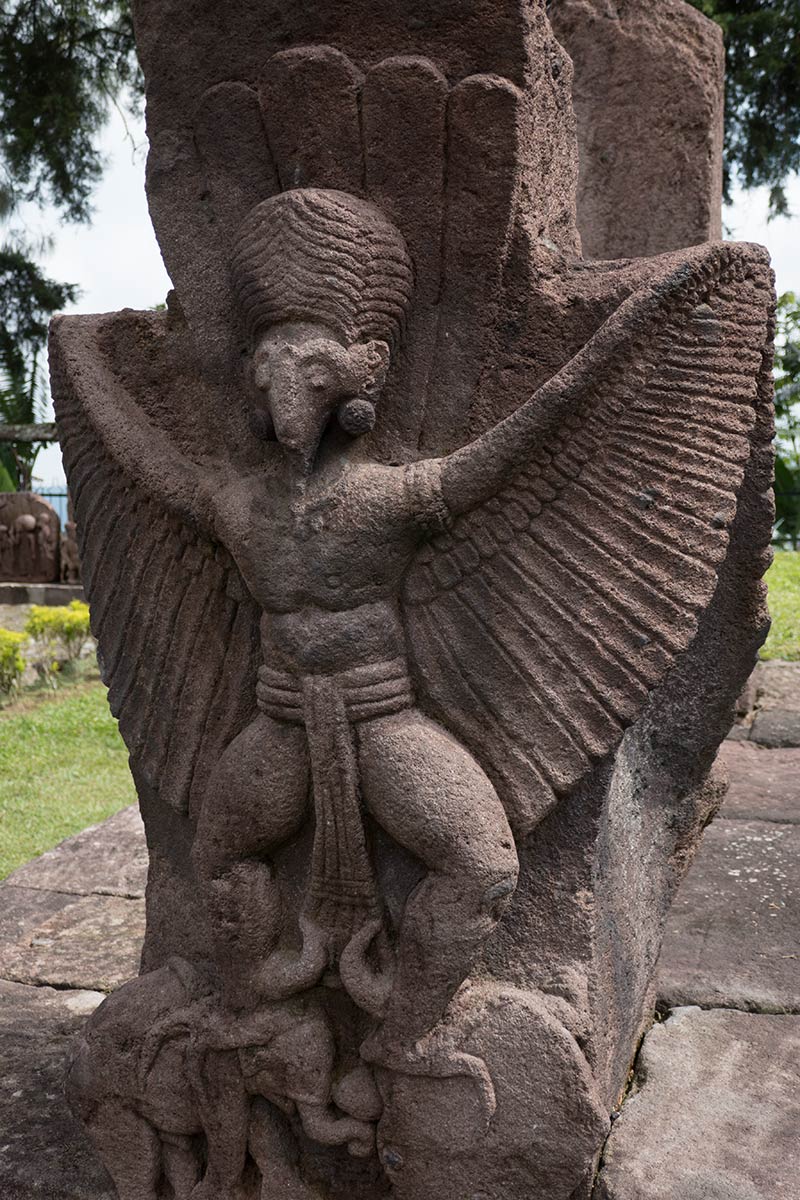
322	255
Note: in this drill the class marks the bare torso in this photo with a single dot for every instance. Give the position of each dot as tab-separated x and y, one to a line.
324	559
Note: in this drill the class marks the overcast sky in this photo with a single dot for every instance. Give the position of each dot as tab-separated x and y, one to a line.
116	261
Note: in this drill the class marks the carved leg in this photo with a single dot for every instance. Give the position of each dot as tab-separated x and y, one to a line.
181	1166
275	1153
256	800
432	797
130	1149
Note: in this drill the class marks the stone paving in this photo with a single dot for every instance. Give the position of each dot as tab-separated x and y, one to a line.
71	926
714	1107
713	1112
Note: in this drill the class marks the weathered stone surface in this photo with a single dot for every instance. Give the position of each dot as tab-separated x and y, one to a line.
732	932
714	1115
425	563
648	94
108	859
29	539
778	685
44	1154
23	910
93	943
776	728
764	784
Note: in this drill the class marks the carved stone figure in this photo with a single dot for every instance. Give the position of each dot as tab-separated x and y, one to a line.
6	552
29	539
415	546
70	555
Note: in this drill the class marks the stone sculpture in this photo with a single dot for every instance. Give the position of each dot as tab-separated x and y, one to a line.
70	555
415	545
29	539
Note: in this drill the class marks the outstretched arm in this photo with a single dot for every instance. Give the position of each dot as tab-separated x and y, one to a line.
478	471
145	454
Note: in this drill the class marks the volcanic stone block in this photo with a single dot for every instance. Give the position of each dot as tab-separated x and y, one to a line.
93	943
425	561
649	98
765	784
44	1154
107	860
732	931
714	1112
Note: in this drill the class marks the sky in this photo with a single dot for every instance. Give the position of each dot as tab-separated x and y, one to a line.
116	262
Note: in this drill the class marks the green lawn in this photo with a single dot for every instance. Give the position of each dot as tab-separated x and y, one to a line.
63	766
784	604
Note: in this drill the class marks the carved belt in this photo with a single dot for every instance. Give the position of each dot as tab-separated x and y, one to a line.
342	892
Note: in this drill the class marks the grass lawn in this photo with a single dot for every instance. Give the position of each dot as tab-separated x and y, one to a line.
63	766
784	603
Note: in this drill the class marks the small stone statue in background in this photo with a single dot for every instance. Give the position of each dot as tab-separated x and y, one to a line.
70	558
401	530
29	547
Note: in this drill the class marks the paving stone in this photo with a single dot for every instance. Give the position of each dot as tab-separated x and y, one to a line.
23	910
739	733
715	1114
44	1154
732	933
108	859
765	784
778	686
777	728
93	943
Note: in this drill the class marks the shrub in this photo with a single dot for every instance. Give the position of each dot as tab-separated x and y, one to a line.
59	633
12	664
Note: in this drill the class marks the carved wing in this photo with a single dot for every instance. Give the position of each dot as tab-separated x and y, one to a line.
176	631
540	625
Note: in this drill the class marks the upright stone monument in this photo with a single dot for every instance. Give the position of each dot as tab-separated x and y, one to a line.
425	563
29	539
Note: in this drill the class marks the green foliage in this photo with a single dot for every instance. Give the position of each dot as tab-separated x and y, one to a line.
28	299
63	766
787	420
783	579
7	481
59	632
61	64
762	110
12	664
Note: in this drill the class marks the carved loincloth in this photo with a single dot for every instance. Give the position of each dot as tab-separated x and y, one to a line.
343	891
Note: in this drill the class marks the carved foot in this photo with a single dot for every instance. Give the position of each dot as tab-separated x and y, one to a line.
369	987
285	973
323	1125
432	1055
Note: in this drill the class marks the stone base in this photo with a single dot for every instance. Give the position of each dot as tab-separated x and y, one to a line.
40	593
714	1112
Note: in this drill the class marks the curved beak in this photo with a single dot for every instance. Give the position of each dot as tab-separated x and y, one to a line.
299	417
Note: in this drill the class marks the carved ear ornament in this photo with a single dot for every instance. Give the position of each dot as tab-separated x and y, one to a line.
357	416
